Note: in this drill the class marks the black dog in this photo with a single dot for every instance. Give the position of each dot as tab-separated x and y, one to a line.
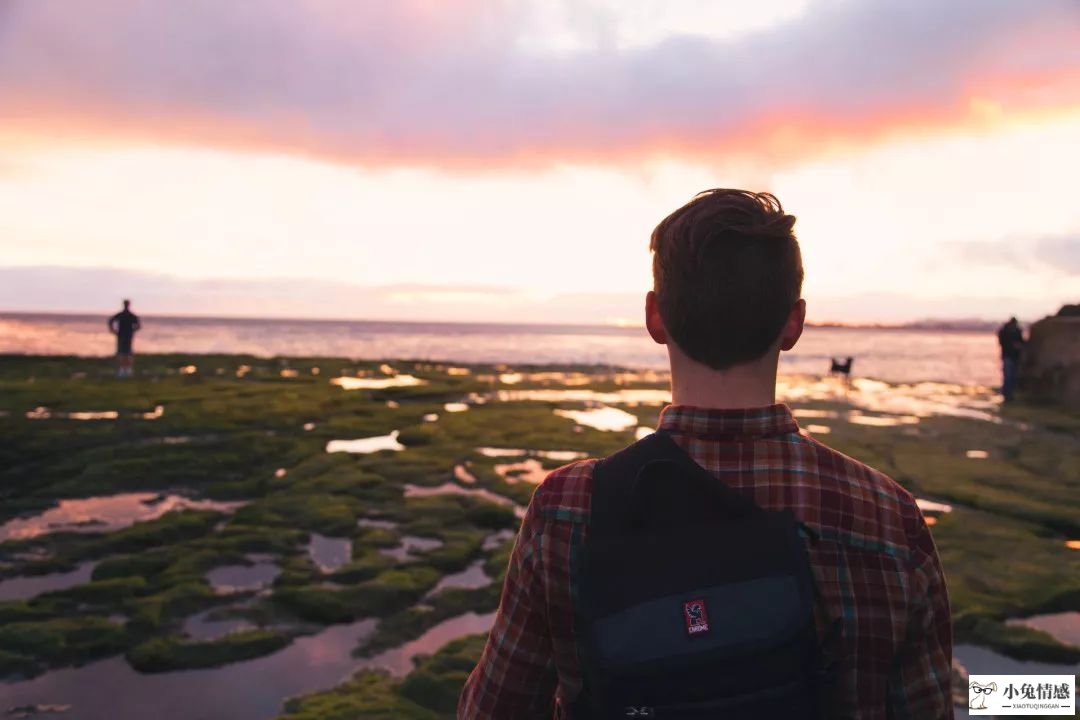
842	368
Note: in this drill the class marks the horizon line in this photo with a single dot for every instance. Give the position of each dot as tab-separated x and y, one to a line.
924	323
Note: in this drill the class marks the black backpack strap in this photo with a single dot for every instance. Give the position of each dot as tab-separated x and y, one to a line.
642	482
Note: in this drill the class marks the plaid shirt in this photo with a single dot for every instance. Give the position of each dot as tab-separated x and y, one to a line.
874	563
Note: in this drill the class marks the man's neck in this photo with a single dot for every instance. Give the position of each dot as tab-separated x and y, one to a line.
743	386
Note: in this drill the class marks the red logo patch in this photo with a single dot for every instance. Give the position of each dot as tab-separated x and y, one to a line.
696	616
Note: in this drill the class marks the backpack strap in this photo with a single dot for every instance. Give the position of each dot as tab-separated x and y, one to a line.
640	485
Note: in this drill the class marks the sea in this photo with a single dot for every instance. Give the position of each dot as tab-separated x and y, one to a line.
895	355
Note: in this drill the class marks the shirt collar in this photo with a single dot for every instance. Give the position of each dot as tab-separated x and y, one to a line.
742	422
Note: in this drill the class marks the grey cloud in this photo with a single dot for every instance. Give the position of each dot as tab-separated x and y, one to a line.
417	82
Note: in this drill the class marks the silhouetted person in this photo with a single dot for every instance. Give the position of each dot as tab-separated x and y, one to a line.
1011	339
124	325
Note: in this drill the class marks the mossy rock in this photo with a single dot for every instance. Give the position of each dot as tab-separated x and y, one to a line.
179	653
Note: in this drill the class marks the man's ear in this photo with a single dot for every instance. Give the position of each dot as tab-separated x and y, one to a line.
654	322
794	326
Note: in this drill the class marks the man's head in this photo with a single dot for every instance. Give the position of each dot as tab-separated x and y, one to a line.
727	279
127	304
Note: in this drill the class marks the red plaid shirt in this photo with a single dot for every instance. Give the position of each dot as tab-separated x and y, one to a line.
874	562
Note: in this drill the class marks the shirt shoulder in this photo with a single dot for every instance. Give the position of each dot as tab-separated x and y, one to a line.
566	492
868	503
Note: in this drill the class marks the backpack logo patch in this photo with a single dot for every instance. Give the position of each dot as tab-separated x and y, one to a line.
696	617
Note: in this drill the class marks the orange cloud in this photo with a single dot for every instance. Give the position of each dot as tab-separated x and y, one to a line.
404	84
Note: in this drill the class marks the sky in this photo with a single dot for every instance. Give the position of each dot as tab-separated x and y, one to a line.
506	160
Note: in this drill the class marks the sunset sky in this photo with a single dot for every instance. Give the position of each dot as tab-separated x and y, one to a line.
506	160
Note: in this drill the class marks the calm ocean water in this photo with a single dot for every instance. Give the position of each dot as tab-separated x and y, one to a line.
887	354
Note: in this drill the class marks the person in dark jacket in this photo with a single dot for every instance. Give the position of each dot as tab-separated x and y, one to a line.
124	325
1011	339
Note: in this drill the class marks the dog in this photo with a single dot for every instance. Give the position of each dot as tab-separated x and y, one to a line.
841	368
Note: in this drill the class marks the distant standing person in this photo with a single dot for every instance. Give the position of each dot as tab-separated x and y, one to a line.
124	325
1011	339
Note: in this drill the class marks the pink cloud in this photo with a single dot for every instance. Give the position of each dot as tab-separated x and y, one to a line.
414	82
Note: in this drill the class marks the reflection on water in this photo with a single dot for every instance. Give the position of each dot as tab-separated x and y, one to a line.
363	383
399	660
495	540
629	396
25	587
228	579
931	507
462	475
430	417
454	489
366	445
378	524
105	513
329	553
1063	627
603	418
557	455
977	454
44	413
470	578
857	418
455	407
202	627
250	690
1072	544
527	471
410	547
912	401
818	429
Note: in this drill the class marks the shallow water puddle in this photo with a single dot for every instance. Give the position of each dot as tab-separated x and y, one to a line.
1072	544
470	578
608	419
918	400
462	474
367	383
44	413
106	513
410	546
311	663
28	586
329	553
496	540
1063	627
202	627
933	508
455	407
643	432
629	396
378	524
399	661
430	417
857	418
366	445
818	429
977	454
228	579
529	471
455	489
557	455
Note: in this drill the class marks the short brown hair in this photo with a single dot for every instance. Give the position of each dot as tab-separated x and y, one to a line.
726	270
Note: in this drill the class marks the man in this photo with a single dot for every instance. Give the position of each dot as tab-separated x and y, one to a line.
124	325
727	275
1011	339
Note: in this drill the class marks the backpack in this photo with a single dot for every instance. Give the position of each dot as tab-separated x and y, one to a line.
695	602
